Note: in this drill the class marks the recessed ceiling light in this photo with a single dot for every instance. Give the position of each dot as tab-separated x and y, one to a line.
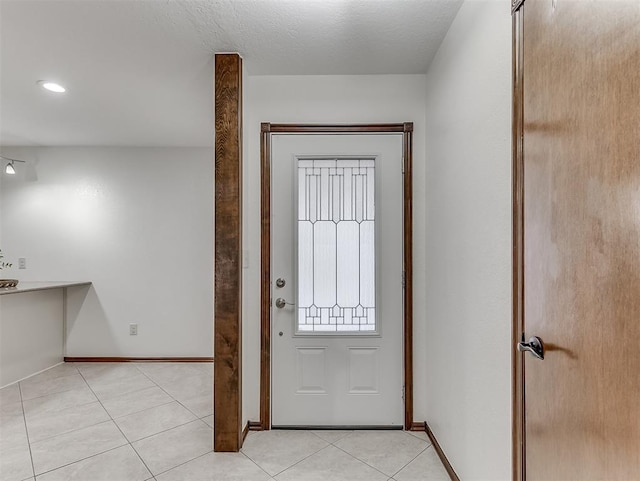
52	86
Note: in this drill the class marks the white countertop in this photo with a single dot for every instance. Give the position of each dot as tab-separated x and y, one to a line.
28	286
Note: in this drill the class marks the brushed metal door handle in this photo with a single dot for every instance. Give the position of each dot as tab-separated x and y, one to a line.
535	346
280	303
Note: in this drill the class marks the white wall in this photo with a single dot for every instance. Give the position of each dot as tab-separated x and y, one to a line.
138	223
468	263
326	99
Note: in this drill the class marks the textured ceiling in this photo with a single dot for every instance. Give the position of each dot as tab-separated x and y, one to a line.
139	72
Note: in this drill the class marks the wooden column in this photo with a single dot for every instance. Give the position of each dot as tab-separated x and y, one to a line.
227	392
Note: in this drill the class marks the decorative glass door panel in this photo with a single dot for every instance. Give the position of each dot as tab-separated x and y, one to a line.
336	245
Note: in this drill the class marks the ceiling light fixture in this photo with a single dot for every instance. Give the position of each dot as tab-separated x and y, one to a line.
10	169
51	86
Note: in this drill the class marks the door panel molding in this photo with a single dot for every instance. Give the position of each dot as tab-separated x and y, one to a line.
265	300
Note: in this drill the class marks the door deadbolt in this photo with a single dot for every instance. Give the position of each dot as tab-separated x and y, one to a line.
280	282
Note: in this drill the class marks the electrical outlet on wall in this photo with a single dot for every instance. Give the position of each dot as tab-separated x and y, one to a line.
133	329
22	263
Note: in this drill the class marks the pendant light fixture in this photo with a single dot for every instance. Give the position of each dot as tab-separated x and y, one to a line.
9	168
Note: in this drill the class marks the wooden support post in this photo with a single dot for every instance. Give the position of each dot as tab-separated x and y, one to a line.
227	392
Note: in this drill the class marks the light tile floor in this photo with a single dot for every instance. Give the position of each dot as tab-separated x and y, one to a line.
152	421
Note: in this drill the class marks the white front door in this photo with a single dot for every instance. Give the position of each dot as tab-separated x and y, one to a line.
337	206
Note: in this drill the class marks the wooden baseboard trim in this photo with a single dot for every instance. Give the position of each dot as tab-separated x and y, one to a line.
255	426
441	455
418	426
251	426
138	359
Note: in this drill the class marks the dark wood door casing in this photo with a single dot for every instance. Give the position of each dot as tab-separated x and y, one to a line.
576	121
265	290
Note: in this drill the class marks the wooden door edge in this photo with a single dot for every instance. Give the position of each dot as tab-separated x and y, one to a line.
517	365
266	129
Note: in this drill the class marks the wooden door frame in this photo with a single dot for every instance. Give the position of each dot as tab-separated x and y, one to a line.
517	327
406	129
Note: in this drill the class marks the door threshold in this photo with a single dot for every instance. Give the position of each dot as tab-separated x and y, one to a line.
349	427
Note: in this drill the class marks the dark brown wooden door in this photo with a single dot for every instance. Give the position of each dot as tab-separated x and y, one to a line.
581	237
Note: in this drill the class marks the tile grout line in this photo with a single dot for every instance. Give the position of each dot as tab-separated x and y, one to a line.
197	419
155	384
118	427
188	461
68	464
141	411
414	458
123	394
83	459
72	430
114	420
259	467
357	459
146	437
51	393
411	461
181	464
93	455
172	397
116	381
53	413
298	462
111	419
96	400
26	431
362	461
202	419
68	407
163	431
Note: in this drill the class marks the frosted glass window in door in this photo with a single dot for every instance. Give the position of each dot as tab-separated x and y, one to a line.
336	245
